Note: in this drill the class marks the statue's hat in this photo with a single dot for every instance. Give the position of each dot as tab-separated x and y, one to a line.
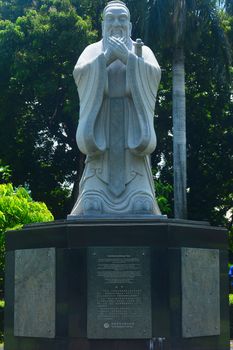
117	3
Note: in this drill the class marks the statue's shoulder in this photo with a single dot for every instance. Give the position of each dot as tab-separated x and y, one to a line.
146	51
94	49
89	54
149	56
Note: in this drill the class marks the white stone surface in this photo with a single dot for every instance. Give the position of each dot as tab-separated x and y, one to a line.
117	82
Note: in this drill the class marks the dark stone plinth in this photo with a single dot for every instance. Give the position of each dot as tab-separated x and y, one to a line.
171	264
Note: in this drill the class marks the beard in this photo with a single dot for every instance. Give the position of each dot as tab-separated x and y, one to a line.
118	33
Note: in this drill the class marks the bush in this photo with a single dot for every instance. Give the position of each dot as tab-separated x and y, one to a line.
17	208
163	193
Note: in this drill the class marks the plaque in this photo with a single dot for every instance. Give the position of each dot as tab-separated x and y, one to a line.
34	306
119	293
200	292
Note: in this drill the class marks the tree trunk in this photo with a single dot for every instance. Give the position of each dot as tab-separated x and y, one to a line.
179	135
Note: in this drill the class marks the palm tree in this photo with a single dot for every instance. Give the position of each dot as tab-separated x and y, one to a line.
179	24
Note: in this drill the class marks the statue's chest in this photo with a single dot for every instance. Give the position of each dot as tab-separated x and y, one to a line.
116	80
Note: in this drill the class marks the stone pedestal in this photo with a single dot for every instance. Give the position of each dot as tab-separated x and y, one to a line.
124	284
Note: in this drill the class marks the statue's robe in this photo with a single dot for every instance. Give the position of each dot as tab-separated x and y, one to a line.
116	132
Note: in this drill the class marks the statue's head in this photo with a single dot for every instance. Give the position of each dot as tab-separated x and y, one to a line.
116	20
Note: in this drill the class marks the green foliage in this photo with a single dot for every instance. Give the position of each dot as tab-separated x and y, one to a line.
163	194
38	97
5	172
17	209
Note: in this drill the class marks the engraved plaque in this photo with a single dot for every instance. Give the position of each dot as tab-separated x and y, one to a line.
200	292
34	308
119	293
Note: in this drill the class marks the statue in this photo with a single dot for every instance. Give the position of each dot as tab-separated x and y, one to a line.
117	82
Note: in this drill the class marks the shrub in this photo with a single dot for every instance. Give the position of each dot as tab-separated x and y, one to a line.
17	208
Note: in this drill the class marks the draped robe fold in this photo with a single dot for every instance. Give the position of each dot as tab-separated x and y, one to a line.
116	132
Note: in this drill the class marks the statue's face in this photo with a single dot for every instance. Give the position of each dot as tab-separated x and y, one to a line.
116	23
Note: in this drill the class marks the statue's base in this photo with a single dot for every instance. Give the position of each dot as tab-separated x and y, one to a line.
102	283
136	218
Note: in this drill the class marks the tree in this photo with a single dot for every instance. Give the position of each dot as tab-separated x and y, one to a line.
39	101
180	24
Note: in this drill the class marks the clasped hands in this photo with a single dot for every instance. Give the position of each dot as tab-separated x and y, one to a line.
116	49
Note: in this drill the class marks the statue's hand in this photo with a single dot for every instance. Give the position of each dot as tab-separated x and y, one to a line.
109	56
119	48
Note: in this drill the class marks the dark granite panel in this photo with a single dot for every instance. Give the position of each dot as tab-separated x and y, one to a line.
119	293
196	236
161	233
40	237
117	235
77	287
160	292
174	258
62	293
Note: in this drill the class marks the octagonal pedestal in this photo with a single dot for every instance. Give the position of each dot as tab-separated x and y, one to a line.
123	284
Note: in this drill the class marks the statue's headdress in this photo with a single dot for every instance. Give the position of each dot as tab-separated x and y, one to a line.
116	3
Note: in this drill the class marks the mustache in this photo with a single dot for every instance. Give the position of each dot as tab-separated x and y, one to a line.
117	34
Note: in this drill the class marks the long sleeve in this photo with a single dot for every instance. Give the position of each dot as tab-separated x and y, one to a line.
143	76
90	77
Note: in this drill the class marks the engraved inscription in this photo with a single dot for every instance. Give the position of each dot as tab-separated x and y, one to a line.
119	301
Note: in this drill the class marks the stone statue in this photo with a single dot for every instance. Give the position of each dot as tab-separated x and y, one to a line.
117	82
